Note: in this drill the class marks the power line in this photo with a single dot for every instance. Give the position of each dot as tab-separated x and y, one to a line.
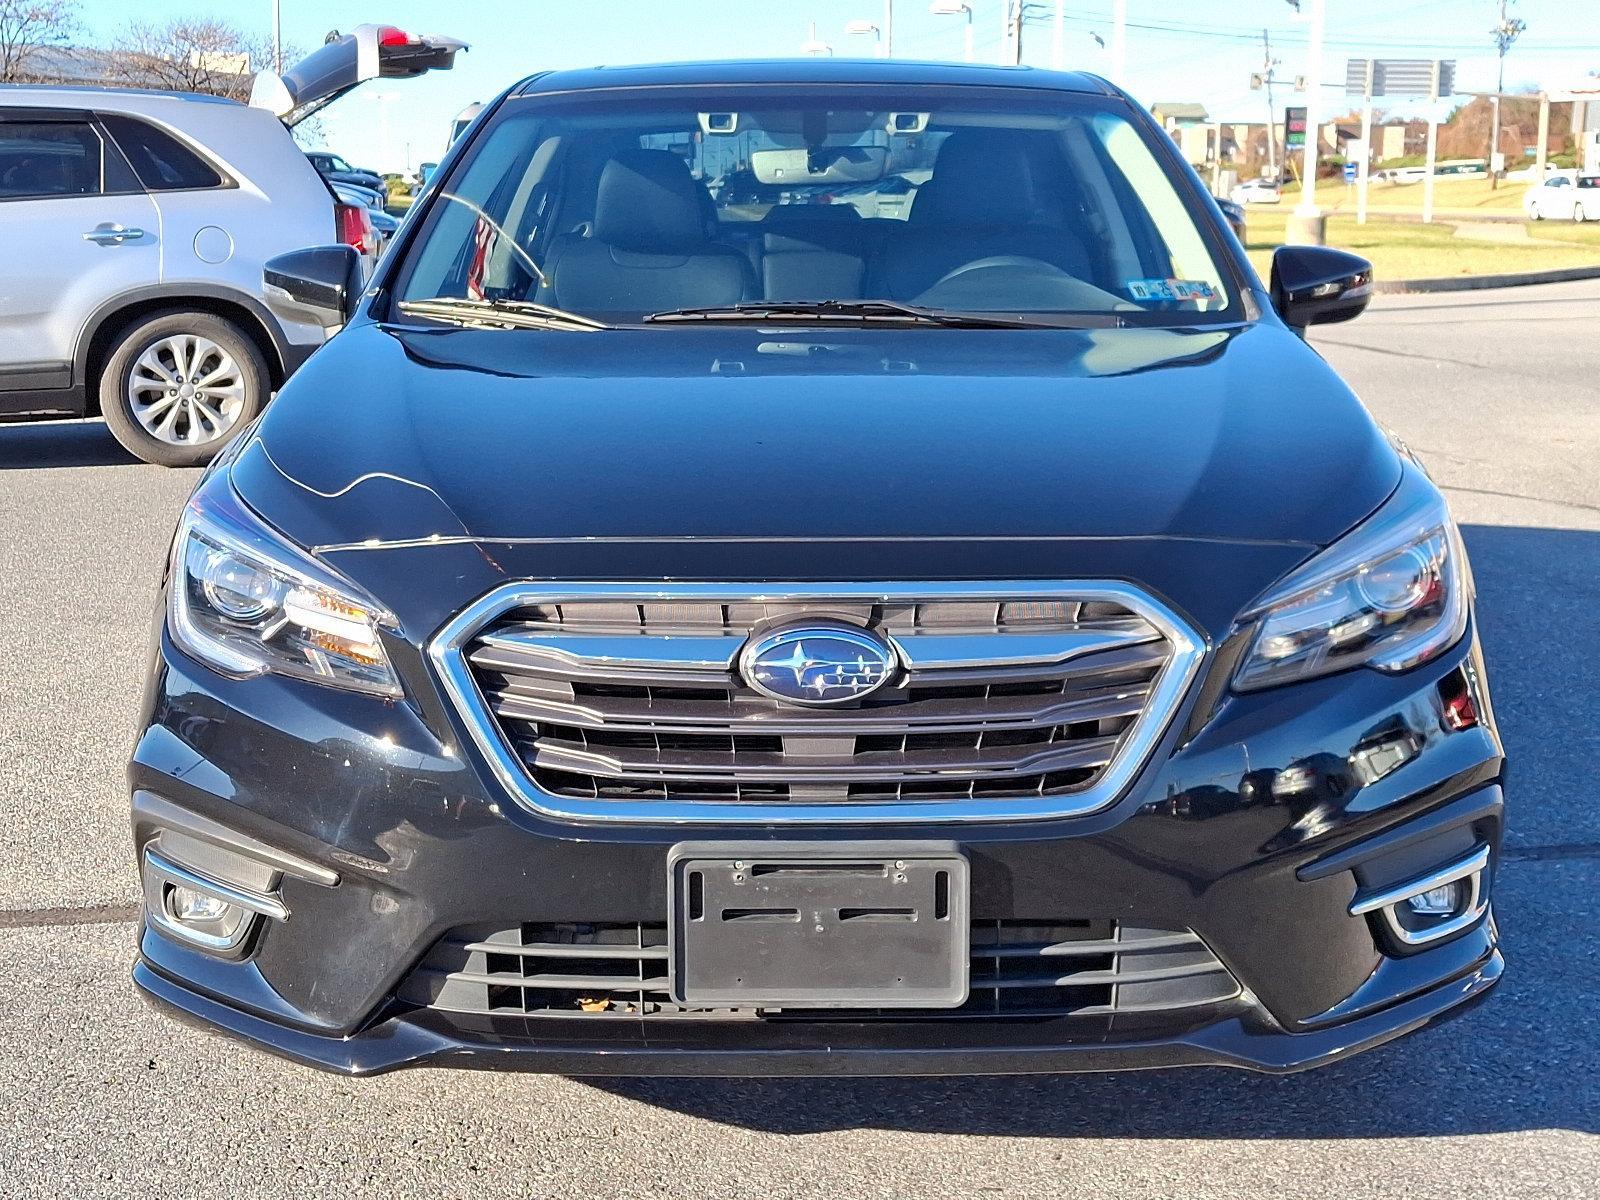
1242	35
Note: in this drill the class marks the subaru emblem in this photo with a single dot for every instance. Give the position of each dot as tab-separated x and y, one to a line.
816	664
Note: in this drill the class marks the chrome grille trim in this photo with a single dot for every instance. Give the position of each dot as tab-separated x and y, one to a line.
625	661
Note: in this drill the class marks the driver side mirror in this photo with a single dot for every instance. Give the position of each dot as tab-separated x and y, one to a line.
319	285
1316	285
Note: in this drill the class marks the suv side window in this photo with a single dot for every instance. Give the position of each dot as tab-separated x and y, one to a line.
162	163
48	158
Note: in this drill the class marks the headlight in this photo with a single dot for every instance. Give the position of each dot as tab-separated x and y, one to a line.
1390	595
244	601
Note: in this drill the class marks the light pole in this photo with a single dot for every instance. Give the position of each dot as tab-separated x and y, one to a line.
954	8
1308	226
862	28
277	38
814	46
1119	42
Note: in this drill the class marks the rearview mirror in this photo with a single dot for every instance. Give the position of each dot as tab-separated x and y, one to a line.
823	164
1316	285
319	285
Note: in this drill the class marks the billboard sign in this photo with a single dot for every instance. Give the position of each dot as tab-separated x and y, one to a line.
1398	76
1294	128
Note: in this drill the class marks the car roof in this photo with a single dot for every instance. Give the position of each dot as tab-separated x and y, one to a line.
739	72
49	95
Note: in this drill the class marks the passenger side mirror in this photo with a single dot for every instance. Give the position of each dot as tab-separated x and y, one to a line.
1315	285
319	285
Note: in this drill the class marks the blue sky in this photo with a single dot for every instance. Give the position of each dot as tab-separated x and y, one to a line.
1177	49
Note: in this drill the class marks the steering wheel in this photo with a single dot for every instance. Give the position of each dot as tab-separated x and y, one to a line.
1026	265
1017	282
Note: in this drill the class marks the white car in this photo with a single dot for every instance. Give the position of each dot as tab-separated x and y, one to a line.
135	229
1564	197
1256	191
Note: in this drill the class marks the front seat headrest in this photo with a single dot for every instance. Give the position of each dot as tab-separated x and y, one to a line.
648	202
979	179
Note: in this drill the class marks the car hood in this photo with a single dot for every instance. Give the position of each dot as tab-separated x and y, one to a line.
739	452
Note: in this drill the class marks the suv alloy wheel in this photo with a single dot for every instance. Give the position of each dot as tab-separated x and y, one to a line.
178	386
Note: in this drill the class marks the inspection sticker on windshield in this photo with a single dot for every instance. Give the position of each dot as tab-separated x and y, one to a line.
1170	289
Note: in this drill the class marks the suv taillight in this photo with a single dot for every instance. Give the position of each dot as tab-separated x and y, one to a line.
355	227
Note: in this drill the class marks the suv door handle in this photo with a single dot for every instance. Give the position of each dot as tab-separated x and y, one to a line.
112	235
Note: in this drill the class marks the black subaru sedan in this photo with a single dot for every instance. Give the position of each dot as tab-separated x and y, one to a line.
817	568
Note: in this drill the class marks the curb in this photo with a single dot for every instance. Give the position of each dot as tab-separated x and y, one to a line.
1473	283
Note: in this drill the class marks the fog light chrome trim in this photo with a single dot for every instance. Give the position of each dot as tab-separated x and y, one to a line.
1386	901
161	873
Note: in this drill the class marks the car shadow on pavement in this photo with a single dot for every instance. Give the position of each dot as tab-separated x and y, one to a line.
60	444
1529	1058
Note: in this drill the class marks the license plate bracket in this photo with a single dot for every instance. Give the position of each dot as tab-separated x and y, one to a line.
818	924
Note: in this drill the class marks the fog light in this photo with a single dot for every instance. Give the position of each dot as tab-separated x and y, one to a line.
1434	906
192	906
1440	901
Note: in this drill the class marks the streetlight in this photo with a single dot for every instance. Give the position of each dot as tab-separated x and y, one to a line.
1307	225
954	8
814	46
861	28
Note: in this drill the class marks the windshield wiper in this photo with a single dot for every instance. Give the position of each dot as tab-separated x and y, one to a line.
884	310
503	314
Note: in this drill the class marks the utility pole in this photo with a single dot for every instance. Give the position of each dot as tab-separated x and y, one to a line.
1011	42
1544	136
277	38
1505	35
1119	42
888	28
1058	39
1267	79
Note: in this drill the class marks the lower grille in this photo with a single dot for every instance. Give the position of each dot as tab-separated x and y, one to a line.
1019	969
615	701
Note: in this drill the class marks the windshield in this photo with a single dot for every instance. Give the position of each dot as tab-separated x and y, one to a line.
624	206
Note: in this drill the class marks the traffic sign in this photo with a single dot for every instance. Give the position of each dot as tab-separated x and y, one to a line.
1398	77
1350	172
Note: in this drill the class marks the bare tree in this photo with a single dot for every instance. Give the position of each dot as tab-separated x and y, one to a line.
195	54
26	27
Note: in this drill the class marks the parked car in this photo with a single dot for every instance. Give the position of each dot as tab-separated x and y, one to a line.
135	229
1233	213
335	170
1256	191
1565	198
1401	175
383	224
652	638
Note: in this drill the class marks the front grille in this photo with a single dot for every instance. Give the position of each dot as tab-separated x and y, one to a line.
1019	969
638	698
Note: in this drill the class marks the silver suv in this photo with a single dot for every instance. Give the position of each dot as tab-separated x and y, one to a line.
133	230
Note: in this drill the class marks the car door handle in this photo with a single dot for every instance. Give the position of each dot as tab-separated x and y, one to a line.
112	235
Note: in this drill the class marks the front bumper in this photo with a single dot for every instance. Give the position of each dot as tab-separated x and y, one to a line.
837	1049
1250	825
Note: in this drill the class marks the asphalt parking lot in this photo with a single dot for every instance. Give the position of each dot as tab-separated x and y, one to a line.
1500	392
